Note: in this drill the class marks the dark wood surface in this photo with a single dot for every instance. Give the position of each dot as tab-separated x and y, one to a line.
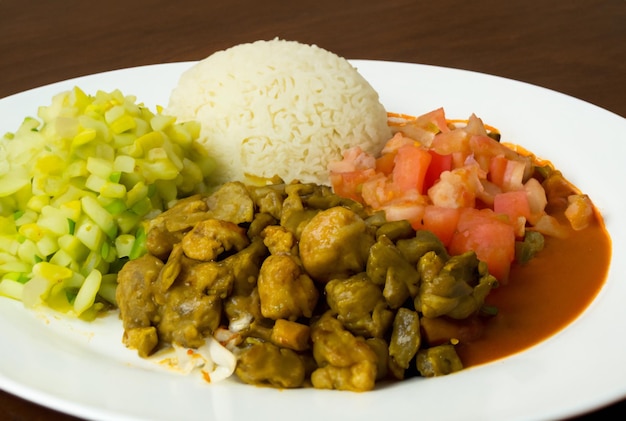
577	47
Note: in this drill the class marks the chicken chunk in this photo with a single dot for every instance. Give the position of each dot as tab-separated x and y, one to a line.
235	274
357	377
286	291
133	293
212	237
278	239
346	362
137	307
360	305
160	241
232	203
268	199
168	228
242	311
335	244
188	317
266	363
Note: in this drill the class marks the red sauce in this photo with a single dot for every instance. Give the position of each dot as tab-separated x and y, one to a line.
543	296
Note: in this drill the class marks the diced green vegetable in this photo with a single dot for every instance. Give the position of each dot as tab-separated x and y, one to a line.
531	245
76	184
87	292
11	288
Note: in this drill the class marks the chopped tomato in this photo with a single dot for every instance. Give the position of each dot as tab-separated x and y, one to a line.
484	149
350	184
491	238
384	163
457	188
438	164
454	141
497	168
512	203
457	182
376	191
440	221
410	166
423	128
507	174
486	146
354	159
434	120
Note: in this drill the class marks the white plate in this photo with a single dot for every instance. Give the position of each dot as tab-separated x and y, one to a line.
83	369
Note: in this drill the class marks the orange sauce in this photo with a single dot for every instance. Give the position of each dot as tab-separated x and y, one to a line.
543	296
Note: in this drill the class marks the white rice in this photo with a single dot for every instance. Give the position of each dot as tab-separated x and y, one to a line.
280	108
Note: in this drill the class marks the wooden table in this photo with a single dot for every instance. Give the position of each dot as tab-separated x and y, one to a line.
575	47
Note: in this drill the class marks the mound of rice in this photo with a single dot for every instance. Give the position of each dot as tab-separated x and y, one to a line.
280	108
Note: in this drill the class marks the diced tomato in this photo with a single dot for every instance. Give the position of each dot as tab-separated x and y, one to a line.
421	129
434	120
385	163
438	164
376	191
491	238
349	184
354	159
457	188
512	203
507	174
454	141
440	221
497	167
486	146
411	164
476	200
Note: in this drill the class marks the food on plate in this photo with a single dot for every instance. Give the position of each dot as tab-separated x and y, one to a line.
473	191
461	183
75	185
306	287
278	107
342	288
278	224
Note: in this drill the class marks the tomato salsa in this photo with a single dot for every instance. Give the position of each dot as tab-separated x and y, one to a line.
540	236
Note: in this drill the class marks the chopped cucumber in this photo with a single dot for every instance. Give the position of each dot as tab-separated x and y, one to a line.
76	184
